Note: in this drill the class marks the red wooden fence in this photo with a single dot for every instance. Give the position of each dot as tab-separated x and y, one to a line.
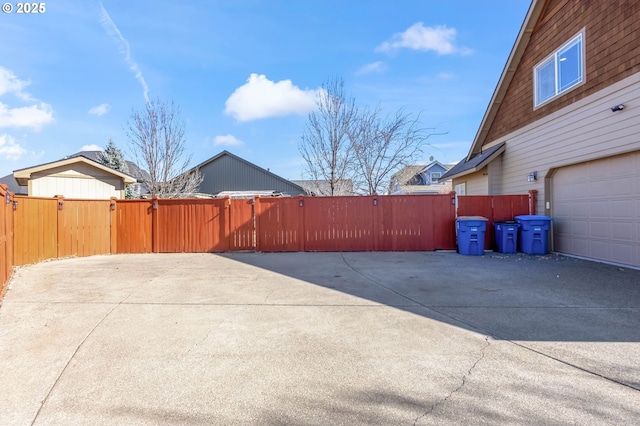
133	226
279	224
36	229
366	223
496	208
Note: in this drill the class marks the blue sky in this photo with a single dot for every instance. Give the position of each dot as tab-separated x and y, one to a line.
244	72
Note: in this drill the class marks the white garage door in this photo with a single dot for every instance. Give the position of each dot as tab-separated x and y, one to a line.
596	209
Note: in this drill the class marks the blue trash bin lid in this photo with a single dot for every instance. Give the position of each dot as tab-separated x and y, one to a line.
532	217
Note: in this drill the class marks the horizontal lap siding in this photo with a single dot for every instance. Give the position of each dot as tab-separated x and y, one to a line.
585	131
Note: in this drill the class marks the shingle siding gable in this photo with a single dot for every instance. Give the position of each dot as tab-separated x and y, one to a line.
612	51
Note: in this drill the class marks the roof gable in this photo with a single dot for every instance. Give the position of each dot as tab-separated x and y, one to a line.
228	172
517	51
22	176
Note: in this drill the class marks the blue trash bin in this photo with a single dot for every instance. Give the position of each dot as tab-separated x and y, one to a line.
471	231
534	233
506	236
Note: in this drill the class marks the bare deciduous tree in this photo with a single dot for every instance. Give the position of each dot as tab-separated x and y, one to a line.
383	145
325	144
157	137
357	148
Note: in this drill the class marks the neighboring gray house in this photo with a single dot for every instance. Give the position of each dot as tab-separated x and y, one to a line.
228	172
12	183
420	180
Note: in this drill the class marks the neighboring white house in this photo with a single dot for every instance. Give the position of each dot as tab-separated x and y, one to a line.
74	177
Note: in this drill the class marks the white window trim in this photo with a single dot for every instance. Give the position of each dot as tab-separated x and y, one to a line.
431	177
553	56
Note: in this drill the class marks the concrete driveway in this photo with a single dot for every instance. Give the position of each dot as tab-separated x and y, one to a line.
321	338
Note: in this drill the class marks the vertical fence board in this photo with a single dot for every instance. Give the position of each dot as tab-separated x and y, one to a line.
338	223
242	225
416	222
84	228
278	224
133	226
496	208
35	230
193	225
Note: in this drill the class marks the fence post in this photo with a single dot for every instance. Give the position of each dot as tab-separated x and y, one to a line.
301	224
228	214
533	195
376	225
256	222
113	226
155	243
59	223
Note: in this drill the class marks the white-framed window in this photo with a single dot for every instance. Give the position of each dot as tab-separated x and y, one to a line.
560	71
461	189
435	176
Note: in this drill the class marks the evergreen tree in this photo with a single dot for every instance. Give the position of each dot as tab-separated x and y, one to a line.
112	157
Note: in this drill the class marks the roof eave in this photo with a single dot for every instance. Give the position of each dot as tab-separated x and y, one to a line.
479	166
23	175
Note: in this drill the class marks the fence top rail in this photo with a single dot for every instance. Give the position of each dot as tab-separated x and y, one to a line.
28	197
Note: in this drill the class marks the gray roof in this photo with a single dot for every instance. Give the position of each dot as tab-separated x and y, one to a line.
11	182
228	172
134	169
475	163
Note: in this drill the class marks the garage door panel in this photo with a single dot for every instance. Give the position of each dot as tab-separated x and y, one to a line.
596	209
624	252
624	231
600	230
580	210
623	209
579	228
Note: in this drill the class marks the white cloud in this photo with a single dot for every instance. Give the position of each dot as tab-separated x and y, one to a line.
9	149
375	67
124	48
33	116
440	39
10	83
260	98
92	147
227	140
100	110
